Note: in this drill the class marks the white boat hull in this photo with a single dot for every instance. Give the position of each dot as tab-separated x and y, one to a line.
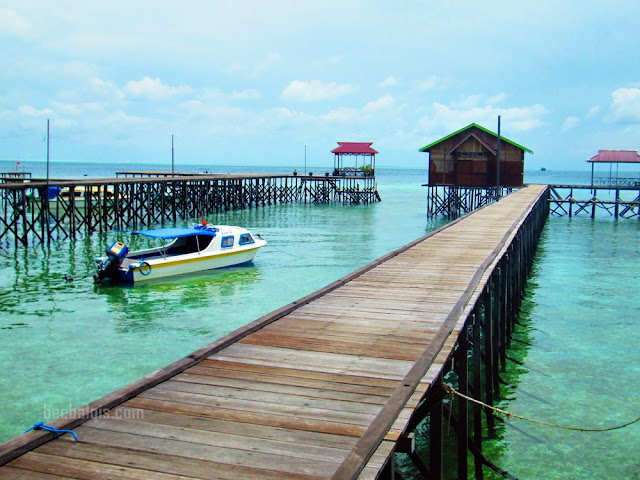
203	247
167	267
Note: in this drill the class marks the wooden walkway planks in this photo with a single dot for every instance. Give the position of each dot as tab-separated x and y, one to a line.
321	388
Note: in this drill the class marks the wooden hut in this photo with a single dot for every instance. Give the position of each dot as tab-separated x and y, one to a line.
475	157
358	151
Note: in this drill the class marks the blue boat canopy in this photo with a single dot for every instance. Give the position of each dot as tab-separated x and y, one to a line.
177	232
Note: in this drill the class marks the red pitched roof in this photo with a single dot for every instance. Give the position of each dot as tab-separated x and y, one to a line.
616	156
358	148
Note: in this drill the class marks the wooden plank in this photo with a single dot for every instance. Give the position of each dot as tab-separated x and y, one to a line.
294	372
241	429
318	361
191	467
229	456
74	468
359	456
255	417
221	439
10	473
322	387
262	386
265	378
296	411
28	441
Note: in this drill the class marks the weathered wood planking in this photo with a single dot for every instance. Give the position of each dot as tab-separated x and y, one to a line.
321	388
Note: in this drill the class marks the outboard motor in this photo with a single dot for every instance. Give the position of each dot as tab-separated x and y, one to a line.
115	254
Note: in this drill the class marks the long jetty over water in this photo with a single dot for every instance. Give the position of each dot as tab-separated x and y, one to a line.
329	386
141	199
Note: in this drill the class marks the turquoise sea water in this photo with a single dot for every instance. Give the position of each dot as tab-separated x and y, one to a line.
581	329
63	344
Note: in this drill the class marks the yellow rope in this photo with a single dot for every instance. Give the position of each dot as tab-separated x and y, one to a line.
451	390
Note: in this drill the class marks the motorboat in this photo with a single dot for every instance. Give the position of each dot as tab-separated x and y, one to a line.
183	250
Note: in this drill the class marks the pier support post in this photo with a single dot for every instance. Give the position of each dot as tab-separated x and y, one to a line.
462	431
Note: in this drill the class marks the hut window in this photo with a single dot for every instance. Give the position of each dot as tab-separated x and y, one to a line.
246	239
227	241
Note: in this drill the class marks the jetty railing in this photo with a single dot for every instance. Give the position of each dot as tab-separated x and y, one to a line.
587	200
30	214
614	199
479	356
616	181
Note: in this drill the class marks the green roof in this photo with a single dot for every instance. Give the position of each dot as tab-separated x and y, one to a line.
426	149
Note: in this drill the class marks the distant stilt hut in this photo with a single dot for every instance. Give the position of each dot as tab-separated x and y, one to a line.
355	150
469	157
626	157
471	167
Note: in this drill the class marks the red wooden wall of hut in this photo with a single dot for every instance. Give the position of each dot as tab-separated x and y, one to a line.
468	158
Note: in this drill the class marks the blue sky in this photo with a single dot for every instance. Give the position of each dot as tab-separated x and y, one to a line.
253	82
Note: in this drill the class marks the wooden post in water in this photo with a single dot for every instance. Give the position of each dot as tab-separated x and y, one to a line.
477	387
436	450
462	368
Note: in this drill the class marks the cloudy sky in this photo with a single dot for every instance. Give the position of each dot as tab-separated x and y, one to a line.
252	82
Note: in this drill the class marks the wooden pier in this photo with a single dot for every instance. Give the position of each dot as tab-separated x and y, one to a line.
28	215
452	201
613	200
617	200
329	386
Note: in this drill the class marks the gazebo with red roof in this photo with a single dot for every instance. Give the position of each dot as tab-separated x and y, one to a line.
626	157
355	149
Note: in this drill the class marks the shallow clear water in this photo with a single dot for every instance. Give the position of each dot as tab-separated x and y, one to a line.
582	321
63	344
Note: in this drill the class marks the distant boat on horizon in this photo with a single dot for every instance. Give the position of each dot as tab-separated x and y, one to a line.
543	169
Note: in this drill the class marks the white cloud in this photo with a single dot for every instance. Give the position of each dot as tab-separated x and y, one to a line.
316	90
77	68
429	83
383	102
472	101
389	82
248	94
626	105
77	108
569	123
496	98
123	121
105	89
342	114
153	89
443	118
30	111
13	25
208	111
271	59
593	111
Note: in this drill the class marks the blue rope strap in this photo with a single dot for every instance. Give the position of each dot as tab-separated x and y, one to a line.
49	428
